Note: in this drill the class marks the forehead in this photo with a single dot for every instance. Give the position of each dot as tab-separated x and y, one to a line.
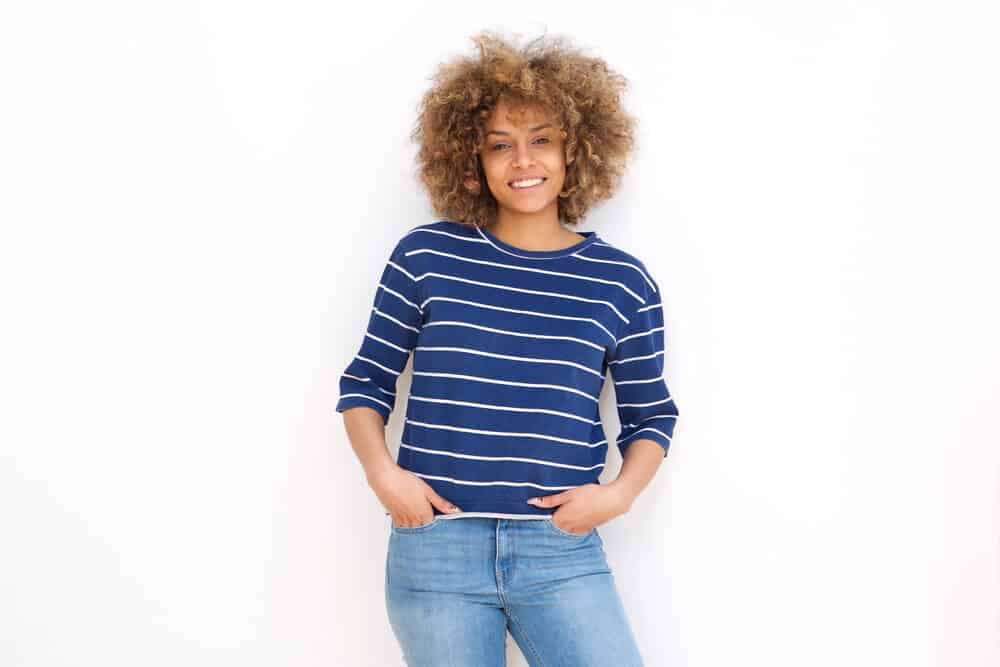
506	116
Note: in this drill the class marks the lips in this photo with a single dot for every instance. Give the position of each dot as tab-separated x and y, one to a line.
510	183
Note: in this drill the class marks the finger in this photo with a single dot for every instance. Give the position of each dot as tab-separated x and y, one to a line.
549	501
442	504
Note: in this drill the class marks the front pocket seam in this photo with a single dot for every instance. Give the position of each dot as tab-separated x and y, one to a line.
560	531
413	529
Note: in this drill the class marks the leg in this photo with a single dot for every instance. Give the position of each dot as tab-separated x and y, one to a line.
564	608
441	595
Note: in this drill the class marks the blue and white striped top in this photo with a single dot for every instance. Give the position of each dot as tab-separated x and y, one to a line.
510	351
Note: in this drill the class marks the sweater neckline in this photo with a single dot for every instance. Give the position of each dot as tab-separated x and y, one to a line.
591	237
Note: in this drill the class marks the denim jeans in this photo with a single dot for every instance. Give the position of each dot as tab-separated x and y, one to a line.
454	587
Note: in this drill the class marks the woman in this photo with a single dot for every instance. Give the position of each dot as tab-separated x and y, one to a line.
513	321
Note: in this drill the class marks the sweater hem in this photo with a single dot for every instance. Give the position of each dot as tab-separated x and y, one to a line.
494	508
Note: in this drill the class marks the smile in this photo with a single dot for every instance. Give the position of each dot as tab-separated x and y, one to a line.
527	184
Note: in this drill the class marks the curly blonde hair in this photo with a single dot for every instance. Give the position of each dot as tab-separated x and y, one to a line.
581	94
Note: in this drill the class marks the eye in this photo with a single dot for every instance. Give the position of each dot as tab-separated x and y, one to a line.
543	139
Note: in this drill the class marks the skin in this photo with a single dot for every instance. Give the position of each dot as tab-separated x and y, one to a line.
526	219
513	147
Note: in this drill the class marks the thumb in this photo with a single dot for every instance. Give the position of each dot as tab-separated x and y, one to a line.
440	503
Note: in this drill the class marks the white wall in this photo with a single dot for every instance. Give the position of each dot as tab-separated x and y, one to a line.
197	200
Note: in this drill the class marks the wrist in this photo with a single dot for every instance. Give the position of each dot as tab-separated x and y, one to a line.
377	471
623	494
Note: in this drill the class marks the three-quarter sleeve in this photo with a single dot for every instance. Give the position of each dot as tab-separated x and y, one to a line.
645	406
395	322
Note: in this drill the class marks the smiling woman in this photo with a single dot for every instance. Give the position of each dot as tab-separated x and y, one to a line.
523	160
514	321
550	81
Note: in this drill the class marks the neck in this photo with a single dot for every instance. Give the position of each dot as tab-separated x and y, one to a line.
533	231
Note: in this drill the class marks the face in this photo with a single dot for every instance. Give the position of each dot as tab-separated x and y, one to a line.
522	148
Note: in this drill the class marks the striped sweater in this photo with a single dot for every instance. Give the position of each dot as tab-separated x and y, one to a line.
510	352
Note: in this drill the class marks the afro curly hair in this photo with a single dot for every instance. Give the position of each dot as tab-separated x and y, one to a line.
579	92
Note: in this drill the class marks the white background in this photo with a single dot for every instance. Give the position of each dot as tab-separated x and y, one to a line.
197	199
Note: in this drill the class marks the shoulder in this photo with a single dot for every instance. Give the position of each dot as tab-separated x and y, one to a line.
617	252
629	267
430	234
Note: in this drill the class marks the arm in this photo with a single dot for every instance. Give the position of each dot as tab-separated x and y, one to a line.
647	412
641	462
646	408
368	384
366	431
368	393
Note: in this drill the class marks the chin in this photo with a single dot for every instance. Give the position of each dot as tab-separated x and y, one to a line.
522	208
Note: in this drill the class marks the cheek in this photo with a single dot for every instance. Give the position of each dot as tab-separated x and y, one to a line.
495	180
493	170
557	169
556	161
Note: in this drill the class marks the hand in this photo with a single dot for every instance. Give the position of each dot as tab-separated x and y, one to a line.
584	507
409	499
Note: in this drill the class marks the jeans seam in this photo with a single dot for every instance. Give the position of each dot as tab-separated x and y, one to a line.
527	639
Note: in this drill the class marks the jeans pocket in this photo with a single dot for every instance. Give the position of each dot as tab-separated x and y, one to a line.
415	529
559	531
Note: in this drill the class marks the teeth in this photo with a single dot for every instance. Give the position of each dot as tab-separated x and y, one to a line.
527	183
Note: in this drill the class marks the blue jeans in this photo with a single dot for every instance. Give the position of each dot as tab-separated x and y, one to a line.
454	587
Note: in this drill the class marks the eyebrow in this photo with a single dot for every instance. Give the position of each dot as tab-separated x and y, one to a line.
530	129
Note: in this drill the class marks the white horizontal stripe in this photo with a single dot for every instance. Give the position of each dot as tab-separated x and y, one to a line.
615	261
385	342
355	377
514	267
643	405
523	312
454	236
370	398
641	333
572	390
375	363
486	406
534	360
498	458
647	356
649	307
571	297
648	428
462	481
390	317
402	298
579	254
516	333
402	270
655	379
516	434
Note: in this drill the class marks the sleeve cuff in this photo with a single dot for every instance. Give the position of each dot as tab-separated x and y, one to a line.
659	435
361	400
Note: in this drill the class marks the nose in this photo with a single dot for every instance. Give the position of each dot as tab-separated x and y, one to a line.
522	157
